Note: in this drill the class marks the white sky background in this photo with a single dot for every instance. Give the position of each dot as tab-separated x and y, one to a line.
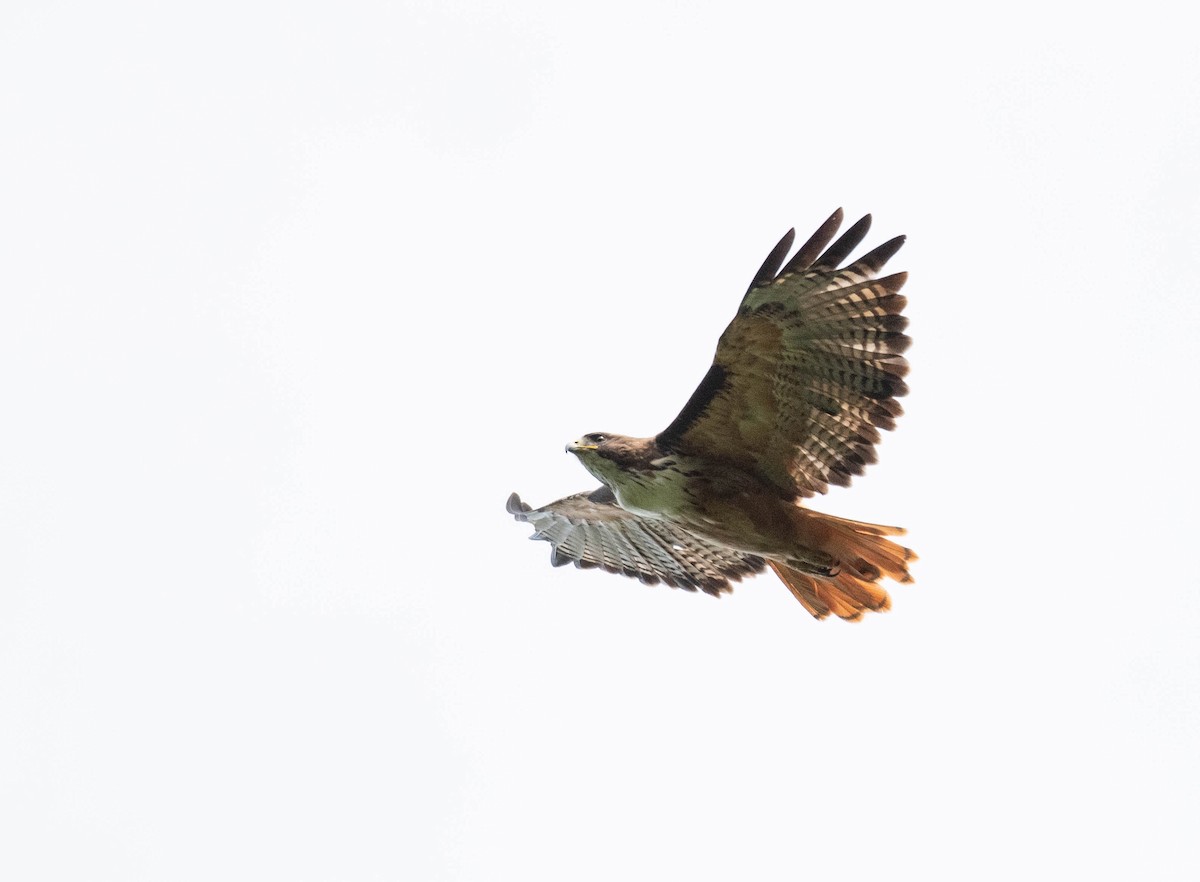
294	296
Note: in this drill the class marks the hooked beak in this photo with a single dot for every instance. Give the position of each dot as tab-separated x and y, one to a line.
578	446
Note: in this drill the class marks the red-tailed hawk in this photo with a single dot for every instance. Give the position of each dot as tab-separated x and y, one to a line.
804	377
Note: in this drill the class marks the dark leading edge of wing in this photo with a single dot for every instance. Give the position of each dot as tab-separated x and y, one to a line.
591	530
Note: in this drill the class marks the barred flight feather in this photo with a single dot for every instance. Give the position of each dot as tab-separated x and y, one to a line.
814	360
589	530
804	379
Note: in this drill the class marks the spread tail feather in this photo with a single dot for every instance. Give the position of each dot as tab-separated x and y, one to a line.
864	556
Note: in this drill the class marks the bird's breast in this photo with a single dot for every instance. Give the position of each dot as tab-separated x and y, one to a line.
663	492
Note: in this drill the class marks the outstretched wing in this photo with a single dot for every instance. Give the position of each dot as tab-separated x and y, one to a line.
592	530
808	370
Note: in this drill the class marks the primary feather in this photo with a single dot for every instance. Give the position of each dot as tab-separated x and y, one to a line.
803	380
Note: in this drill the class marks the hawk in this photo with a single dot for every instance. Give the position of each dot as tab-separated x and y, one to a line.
803	379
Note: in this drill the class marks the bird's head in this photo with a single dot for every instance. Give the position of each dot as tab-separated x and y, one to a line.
590	444
606	455
597	452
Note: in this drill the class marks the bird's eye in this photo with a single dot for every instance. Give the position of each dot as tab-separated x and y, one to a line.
599	439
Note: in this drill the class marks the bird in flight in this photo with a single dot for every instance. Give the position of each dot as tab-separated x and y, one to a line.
803	379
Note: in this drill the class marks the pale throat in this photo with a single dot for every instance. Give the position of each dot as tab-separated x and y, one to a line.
655	493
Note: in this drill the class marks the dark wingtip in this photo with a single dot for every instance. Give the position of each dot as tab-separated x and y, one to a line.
840	250
774	260
834	220
876	258
808	252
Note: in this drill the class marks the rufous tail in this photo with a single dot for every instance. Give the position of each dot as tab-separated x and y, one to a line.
864	557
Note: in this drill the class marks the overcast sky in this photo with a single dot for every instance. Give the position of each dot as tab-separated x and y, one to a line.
295	295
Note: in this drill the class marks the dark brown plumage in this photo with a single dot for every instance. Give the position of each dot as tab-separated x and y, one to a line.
803	379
